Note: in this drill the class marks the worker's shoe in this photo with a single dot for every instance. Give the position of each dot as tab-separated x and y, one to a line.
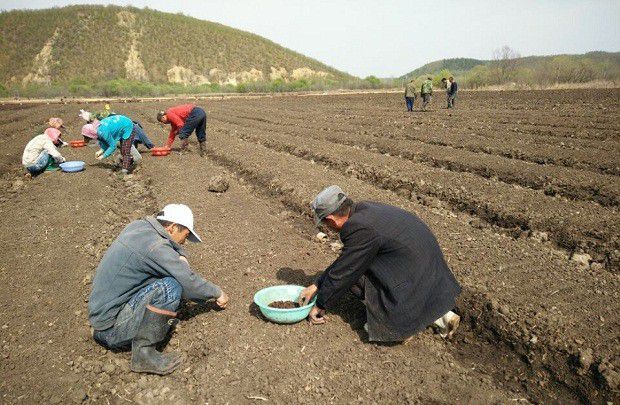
144	357
203	148
185	144
447	324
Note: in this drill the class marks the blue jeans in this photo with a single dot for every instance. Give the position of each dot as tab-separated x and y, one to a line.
140	136
164	293
40	164
196	120
409	101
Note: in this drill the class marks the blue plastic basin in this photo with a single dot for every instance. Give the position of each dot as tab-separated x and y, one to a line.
268	295
73	166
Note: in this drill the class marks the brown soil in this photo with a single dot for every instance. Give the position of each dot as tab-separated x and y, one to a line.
284	304
516	186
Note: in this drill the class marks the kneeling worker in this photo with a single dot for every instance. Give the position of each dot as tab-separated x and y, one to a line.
139	285
392	261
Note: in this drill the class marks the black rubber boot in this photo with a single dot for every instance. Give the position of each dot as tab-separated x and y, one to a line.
184	145
203	148
144	357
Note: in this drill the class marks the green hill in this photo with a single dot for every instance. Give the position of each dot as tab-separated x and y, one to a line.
530	70
82	46
456	66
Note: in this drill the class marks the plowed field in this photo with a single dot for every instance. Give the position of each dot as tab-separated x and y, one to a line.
522	189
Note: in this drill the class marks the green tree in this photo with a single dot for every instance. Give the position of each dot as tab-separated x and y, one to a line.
373	81
437	78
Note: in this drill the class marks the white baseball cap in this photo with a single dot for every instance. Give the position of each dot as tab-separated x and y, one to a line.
180	214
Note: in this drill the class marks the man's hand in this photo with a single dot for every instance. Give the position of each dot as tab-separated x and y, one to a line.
317	316
99	153
183	259
222	301
307	294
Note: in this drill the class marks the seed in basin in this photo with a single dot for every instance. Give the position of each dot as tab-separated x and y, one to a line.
278	294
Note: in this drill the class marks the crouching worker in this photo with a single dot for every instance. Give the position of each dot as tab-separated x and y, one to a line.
93	120
111	131
184	119
139	284
41	151
391	261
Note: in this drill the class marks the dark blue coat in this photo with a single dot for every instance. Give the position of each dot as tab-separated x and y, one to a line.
407	283
453	88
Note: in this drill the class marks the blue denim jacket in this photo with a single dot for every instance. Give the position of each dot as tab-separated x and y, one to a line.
142	254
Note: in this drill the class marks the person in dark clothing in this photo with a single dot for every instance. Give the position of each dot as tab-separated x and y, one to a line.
446	85
392	261
452	90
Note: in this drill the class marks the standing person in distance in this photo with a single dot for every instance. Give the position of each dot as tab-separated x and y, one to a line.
452	90
410	95
426	92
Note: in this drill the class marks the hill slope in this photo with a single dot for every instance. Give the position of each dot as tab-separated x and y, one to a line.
530	70
455	66
89	44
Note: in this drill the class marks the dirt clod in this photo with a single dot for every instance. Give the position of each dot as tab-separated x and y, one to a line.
610	375
322	237
336	247
218	184
586	357
583	259
504	309
108	368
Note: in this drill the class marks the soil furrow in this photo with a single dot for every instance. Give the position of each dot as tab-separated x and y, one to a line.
537	299
571	225
257	262
553	180
453	122
600	161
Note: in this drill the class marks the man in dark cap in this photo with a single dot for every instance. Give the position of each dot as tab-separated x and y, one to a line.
392	261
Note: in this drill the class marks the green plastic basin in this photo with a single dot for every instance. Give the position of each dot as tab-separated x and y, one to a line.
268	295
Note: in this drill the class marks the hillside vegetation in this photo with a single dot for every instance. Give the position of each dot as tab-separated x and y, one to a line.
111	50
508	68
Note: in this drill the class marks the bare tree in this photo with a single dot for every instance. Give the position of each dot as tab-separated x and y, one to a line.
505	61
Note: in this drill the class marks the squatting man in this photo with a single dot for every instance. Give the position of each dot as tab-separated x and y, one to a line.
139	285
392	261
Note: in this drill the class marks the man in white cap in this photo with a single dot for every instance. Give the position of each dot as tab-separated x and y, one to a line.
390	260
139	284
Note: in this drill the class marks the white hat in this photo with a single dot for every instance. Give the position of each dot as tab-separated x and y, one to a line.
180	214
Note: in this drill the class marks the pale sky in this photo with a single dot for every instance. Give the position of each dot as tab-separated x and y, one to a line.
392	37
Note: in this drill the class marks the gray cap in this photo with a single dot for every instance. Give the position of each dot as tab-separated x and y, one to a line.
326	202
